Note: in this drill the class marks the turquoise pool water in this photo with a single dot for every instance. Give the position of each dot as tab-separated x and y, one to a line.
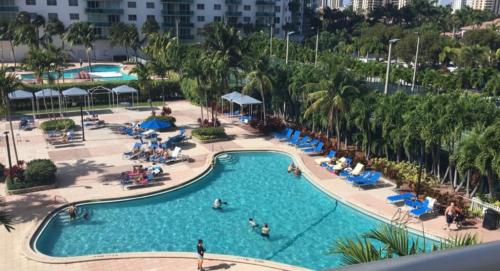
70	73
304	221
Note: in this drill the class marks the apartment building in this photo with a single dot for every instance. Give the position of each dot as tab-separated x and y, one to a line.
491	5
365	6
184	18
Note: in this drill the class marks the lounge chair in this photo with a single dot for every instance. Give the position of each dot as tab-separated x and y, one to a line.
358	169
360	178
373	179
316	150
303	140
176	156
326	159
310	144
295	137
342	163
429	208
289	135
284	134
400	198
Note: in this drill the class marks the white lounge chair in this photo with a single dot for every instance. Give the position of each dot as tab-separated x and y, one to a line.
176	156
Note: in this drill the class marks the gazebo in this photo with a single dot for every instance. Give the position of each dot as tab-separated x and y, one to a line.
48	93
124	89
77	92
240	99
23	95
98	91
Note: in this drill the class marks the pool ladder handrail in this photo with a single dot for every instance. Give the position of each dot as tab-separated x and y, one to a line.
400	217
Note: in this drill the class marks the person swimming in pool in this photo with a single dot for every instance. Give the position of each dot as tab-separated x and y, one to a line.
264	231
291	167
72	212
218	204
297	171
252	223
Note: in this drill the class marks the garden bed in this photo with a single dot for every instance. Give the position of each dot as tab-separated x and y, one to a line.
38	174
210	134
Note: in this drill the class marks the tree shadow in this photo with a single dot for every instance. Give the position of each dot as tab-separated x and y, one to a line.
219	266
69	172
27	207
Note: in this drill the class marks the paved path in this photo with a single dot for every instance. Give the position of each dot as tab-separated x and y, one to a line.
89	170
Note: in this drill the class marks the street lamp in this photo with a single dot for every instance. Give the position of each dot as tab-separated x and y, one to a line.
271	26
392	41
8	153
416	62
81	119
317	45
287	41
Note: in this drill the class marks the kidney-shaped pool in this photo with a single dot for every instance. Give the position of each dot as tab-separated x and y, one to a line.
304	221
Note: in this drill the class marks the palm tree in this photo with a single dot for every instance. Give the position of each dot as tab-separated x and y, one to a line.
7	33
150	26
5	217
143	79
117	35
38	22
8	82
257	80
132	39
193	70
53	28
81	33
332	97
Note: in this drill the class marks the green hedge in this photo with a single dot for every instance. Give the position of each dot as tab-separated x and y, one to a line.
207	133
59	124
166	118
38	172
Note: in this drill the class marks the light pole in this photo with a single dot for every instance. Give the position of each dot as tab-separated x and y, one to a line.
81	119
287	41
271	40
8	153
317	45
416	63
388	64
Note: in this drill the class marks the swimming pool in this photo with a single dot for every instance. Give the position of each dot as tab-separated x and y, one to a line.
103	72
304	221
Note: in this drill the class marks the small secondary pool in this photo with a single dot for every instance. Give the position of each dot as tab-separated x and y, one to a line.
304	221
101	72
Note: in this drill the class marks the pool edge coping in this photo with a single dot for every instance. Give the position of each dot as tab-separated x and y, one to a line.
33	234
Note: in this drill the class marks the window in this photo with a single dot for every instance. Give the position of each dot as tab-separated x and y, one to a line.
276	20
30	2
52	16
246	19
131	4
132	17
74	16
200	6
217	7
73	3
277	9
151	18
51	2
150	4
246	7
201	18
217	18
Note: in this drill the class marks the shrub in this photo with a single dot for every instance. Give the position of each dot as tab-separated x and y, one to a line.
170	119
274	124
207	133
60	124
40	171
207	123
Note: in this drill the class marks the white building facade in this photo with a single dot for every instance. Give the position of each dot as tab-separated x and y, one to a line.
185	18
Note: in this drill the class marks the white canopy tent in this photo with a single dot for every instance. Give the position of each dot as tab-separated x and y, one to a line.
77	92
48	93
98	91
23	95
240	99
124	89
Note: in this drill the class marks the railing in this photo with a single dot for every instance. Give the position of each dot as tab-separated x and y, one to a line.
233	13
9	8
181	24
104	10
177	12
477	204
479	257
264	14
265	2
233	2
178	1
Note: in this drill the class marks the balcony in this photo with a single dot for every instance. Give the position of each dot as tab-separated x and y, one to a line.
177	13
265	2
264	14
9	9
101	24
233	2
233	13
186	37
181	24
178	1
104	10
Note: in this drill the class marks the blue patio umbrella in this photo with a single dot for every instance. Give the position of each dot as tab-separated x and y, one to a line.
156	124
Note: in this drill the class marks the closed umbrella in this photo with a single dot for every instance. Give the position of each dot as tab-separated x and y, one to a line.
156	124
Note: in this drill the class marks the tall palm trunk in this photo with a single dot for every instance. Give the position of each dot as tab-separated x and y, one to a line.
491	183
337	130
263	107
9	116
90	63
13	53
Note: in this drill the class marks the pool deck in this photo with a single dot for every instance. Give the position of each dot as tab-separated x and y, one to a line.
89	170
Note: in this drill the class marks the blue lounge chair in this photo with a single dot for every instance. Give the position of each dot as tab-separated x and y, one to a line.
283	134
415	204
428	208
326	159
295	136
372	180
303	140
289	134
359	178
310	144
400	198
316	150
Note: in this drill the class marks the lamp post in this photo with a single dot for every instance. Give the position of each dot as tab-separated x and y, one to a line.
8	153
287	41
81	119
271	39
388	64
416	63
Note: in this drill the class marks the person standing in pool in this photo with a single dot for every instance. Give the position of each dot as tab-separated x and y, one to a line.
265	230
72	212
201	252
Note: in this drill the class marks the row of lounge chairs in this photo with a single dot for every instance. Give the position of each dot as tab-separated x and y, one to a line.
141	176
305	143
414	207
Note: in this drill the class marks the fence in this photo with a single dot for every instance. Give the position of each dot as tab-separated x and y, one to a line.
478	204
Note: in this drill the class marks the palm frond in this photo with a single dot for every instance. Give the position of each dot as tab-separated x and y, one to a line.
357	251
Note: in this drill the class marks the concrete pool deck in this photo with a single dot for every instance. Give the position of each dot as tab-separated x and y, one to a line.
88	171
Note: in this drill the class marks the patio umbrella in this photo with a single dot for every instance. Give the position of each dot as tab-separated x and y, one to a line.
156	124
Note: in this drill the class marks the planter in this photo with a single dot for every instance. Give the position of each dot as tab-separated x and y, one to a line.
213	140
31	189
